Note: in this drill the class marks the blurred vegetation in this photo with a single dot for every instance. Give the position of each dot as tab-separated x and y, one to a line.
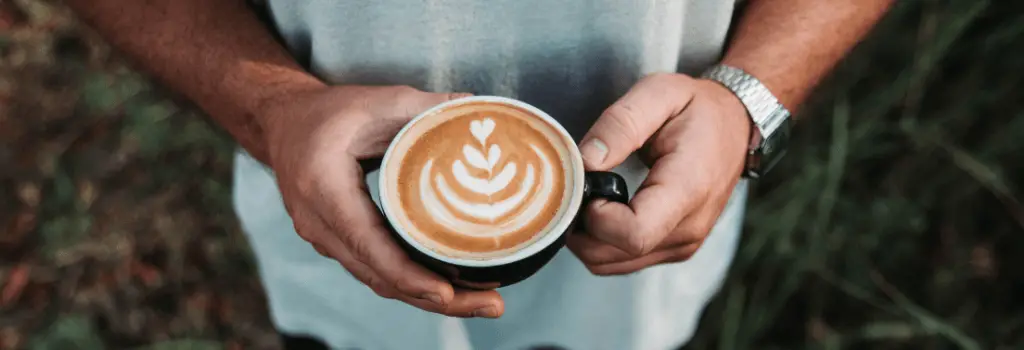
114	203
895	222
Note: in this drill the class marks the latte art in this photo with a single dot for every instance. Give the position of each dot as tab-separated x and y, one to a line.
502	215
482	181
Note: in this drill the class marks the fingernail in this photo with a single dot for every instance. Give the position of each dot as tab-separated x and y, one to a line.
594	151
488	312
434	298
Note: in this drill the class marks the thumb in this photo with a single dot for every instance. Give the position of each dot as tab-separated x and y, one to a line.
629	122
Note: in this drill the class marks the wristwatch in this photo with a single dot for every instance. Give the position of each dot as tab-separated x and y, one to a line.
769	138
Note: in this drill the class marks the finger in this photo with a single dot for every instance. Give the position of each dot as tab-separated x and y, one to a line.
668	255
476	303
465	303
645	224
382	255
347	211
673	190
629	122
313	230
592	251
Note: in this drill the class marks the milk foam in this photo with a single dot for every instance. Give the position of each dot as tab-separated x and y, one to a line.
505	215
480	180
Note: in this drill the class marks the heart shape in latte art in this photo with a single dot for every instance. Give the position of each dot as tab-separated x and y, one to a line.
481	129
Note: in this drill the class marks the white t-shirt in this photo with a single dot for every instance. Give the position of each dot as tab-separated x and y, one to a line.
571	58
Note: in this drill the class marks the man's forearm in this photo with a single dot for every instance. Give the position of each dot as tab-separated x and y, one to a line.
216	53
791	44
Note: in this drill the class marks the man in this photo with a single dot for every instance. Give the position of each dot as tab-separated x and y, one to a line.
619	74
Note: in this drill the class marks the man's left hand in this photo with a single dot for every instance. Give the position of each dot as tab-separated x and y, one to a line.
694	135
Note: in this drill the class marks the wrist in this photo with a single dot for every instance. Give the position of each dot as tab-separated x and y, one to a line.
272	107
282	93
770	119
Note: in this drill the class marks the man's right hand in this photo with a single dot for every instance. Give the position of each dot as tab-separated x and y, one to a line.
315	140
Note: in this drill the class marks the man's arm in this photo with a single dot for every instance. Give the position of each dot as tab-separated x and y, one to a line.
216	53
220	56
790	45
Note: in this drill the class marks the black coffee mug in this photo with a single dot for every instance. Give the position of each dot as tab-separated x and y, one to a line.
512	268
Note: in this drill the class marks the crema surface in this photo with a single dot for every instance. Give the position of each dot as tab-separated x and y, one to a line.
480	179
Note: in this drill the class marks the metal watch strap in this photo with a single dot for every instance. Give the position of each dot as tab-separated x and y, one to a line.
769	116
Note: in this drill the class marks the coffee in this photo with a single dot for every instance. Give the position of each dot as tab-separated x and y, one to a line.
479	180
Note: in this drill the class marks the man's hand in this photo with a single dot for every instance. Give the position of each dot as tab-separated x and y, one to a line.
694	135
315	140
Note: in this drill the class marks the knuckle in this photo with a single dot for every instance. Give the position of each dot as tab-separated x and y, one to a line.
697	186
290	204
667	77
402	94
320	250
361	250
702	229
380	288
404	89
639	244
682	254
306	182
664	80
339	224
622	118
306	236
695	230
586	256
707	182
657	77
704	192
682	78
597	270
589	259
646	239
609	270
404	283
304	231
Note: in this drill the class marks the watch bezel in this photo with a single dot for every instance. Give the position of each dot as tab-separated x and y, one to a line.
769	151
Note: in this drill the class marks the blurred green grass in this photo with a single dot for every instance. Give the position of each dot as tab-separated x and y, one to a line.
895	222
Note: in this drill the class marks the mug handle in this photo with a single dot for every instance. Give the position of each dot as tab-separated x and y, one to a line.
606	185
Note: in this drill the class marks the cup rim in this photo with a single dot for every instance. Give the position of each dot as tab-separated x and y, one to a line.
549	237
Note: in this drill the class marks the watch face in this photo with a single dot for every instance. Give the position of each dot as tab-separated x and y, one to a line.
773	147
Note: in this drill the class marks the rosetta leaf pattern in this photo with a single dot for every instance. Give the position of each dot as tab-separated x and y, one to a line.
475	158
492	157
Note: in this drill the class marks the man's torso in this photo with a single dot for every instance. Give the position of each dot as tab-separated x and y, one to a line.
571	58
